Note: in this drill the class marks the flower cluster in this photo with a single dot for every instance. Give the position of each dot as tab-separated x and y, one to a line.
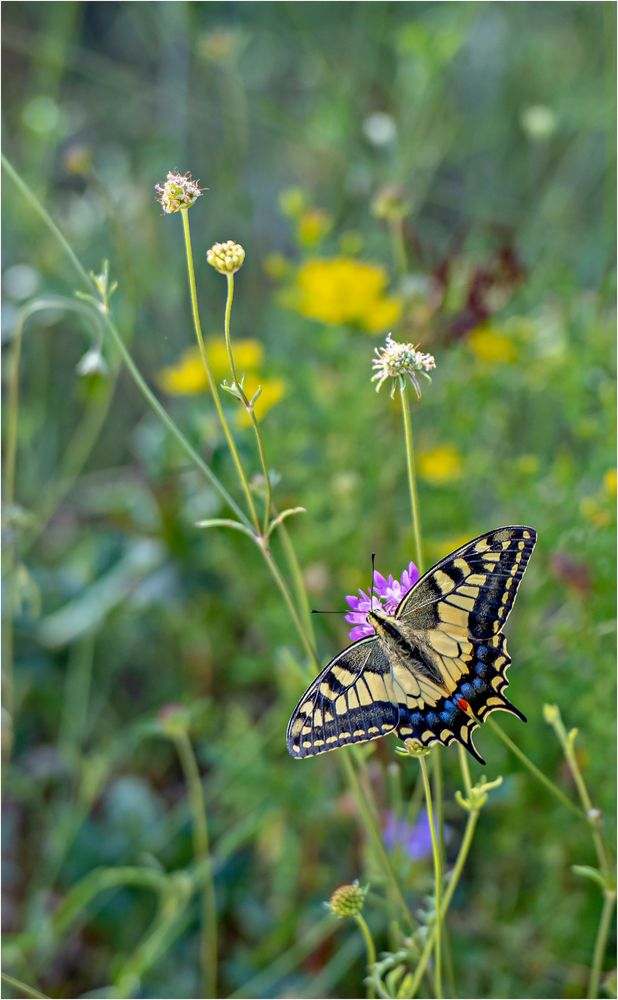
341	291
179	192
226	258
400	362
387	592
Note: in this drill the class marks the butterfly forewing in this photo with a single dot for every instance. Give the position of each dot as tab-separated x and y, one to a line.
351	701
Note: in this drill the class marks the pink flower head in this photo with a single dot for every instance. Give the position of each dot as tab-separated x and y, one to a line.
387	594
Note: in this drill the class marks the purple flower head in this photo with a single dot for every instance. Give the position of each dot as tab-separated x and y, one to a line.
387	593
415	840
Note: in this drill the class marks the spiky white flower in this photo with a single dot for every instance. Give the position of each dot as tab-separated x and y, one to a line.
399	362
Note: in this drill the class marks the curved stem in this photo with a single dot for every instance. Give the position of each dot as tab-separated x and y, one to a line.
124	353
371	952
437	867
246	403
211	381
28	991
609	902
297	577
283	588
551	787
373	832
201	850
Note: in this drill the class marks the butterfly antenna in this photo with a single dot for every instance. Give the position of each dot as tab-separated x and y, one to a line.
373	573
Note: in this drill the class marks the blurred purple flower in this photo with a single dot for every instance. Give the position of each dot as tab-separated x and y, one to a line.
414	840
386	594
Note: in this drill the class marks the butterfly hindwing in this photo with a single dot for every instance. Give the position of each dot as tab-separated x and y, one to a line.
351	701
454	616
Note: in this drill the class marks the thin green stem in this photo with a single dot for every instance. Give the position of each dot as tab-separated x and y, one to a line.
533	769
373	832
248	405
465	769
287	597
453	881
400	255
297	578
437	867
201	850
28	991
226	327
600	945
416	520
151	399
211	380
567	741
371	952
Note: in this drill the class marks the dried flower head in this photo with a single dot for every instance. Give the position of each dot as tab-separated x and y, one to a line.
400	362
180	191
226	258
347	900
390	202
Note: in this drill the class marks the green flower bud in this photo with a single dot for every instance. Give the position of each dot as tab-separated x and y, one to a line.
226	258
347	900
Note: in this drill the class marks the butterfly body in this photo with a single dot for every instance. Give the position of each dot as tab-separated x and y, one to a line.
432	670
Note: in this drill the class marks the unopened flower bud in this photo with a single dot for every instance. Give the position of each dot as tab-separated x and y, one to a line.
226	258
347	900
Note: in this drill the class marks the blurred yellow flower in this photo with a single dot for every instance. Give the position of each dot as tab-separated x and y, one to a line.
594	512
341	290
312	226
248	355
440	465
609	482
188	376
273	390
492	347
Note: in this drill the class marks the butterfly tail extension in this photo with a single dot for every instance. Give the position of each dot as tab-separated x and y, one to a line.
479	692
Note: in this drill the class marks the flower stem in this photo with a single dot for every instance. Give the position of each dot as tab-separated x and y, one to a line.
211	381
371	952
416	521
464	850
437	867
201	850
248	405
287	597
551	787
399	246
609	902
373	832
124	353
28	991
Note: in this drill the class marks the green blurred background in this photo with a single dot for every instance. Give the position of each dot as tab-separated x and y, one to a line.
495	123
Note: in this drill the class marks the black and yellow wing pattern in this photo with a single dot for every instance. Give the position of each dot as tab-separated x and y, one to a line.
454	615
351	701
436	669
